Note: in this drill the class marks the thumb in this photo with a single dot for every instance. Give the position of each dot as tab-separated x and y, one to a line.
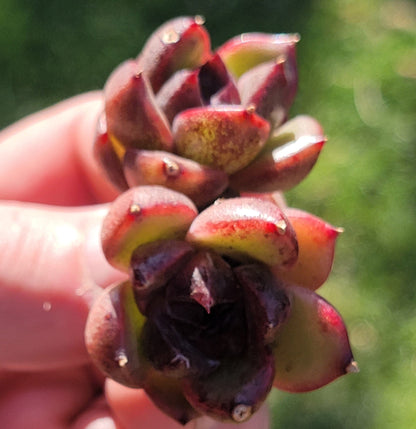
51	270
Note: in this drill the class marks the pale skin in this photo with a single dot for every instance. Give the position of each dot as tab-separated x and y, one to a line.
52	201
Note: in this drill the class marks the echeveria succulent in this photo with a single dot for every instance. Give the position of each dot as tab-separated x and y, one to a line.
220	303
200	121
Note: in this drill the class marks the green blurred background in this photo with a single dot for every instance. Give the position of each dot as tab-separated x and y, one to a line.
357	63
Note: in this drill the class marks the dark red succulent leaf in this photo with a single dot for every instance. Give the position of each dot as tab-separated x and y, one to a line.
178	44
133	117
107	157
235	390
216	84
182	91
227	95
112	336
200	183
271	88
286	159
206	279
266	302
166	394
280	168
209	84
153	264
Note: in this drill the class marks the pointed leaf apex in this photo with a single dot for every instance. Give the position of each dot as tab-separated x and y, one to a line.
352	368
241	413
251	108
200	292
199	19
295	37
281	59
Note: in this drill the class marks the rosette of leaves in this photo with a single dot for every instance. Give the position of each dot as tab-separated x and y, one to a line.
218	306
205	122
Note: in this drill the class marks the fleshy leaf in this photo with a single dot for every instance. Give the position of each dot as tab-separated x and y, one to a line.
224	137
265	300
294	129
107	157
312	347
200	183
153	264
246	228
271	88
316	239
112	331
281	168
179	93
286	159
142	215
246	51
227	95
133	117
236	390
166	394
178	44
217	86
275	197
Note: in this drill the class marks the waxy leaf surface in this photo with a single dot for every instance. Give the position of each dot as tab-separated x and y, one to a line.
180	43
200	183
142	215
226	137
312	347
316	239
133	117
246	228
247	50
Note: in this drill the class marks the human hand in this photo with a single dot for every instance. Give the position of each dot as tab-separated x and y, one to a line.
53	199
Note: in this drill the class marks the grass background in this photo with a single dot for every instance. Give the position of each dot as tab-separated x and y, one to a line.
357	63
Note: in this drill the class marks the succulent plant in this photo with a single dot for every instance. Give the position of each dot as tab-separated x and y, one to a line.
220	303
